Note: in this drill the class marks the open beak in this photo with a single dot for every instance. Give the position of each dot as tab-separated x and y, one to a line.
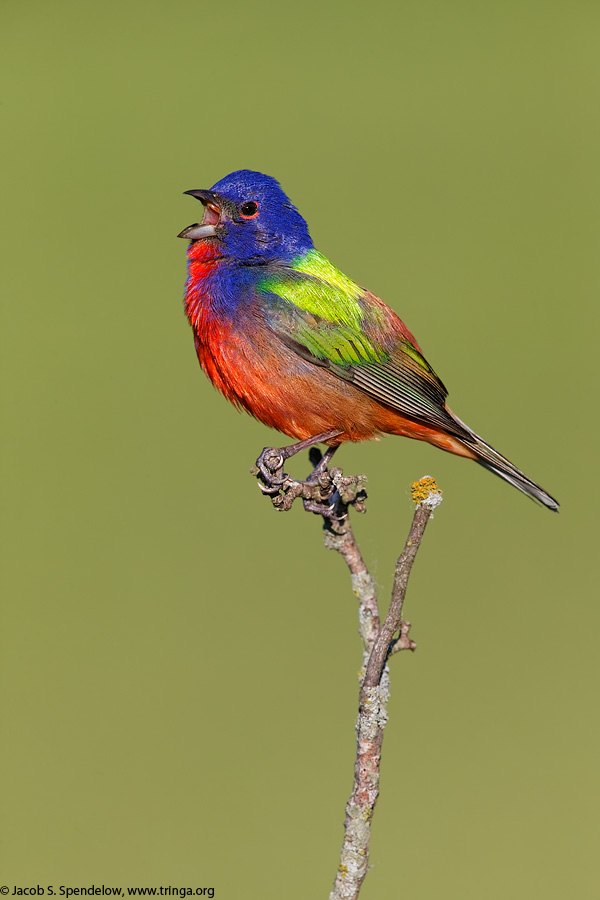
212	217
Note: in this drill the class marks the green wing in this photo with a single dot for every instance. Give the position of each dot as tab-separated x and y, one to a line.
330	321
322	310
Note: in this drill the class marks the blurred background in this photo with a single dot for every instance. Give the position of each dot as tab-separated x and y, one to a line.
179	664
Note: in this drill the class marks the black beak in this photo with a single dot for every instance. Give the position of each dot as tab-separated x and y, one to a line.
204	196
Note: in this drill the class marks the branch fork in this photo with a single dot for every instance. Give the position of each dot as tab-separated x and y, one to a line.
330	494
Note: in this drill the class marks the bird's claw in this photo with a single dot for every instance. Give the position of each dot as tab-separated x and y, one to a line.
328	511
269	466
326	492
266	489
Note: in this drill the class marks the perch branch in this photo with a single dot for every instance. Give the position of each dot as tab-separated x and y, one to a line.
372	714
328	493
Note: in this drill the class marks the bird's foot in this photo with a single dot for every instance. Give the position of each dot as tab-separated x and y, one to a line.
269	465
269	470
326	492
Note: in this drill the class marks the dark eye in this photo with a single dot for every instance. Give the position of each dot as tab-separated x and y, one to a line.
249	209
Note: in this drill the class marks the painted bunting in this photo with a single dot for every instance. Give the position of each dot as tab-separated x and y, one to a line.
285	335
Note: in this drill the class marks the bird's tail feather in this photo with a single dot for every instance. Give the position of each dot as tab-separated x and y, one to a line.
493	461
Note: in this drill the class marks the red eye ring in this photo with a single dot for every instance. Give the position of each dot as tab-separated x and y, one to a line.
249	209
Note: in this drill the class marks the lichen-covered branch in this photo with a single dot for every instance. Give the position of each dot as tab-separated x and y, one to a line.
327	492
372	713
427	497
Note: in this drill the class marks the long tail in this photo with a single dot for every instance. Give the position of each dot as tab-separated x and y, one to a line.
490	459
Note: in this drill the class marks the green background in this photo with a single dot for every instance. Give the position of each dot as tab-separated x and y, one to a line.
178	663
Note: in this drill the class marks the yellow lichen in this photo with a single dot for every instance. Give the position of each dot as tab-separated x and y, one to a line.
421	490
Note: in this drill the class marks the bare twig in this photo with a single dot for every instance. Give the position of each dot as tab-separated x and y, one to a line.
327	492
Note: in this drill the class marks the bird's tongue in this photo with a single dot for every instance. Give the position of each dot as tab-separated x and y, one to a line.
212	214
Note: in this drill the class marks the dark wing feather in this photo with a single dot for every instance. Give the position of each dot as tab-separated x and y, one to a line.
405	382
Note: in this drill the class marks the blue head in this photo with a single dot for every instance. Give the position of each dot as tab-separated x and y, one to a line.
251	218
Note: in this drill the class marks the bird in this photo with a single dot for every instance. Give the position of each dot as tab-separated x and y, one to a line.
285	335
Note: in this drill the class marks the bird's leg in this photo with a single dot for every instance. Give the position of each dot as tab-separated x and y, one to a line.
332	493
320	461
271	460
309	442
320	478
327	504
